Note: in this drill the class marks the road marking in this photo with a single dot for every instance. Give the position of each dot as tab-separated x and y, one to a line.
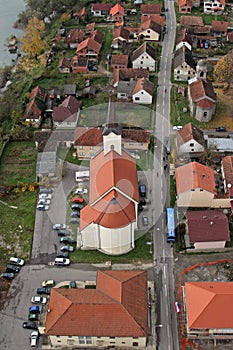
164	270
165	290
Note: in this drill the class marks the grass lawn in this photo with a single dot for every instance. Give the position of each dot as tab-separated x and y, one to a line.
141	253
17	224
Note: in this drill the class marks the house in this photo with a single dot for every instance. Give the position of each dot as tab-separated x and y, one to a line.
120	37
100	10
90	27
89	141
214	6
67	113
93	318
75	36
191	21
202	100
195	185
117	13
219	28
208	307
64	65
206	229
230	37
80	15
88	48
144	57
79	64
109	221
143	91
127	74
150	9
183	39
184	64
185	6
35	107
190	139
119	61
97	36
157	18
149	31
227	175
125	89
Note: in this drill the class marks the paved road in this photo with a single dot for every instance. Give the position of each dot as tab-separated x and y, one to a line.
166	327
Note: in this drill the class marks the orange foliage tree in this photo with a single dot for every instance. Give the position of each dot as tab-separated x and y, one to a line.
32	41
223	71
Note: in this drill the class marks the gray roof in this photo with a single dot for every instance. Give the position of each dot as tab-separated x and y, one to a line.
69	89
184	55
126	87
220	144
144	48
111	124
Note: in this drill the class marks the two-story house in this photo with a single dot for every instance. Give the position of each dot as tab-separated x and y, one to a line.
184	64
185	6
149	31
35	107
190	139
214	6
66	115
100	10
144	57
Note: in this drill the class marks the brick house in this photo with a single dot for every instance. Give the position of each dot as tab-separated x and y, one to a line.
185	6
89	48
119	61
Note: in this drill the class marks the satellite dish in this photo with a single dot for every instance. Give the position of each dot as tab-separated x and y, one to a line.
229	185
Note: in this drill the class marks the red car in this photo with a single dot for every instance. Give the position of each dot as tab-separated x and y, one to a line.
77	200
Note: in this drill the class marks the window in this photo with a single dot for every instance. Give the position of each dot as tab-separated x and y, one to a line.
192	189
88	340
80	147
142	92
137	98
135	343
205	114
141	62
81	340
191	144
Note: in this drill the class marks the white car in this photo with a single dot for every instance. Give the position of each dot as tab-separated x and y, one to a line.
81	191
62	261
177	127
59	226
45	196
42	207
16	261
36	299
43	201
34	339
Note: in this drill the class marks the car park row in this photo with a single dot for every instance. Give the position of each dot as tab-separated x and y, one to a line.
12	268
45	196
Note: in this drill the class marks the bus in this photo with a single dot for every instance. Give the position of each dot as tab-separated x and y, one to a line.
171	234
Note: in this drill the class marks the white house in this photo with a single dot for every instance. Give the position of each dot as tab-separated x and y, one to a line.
67	113
143	91
144	57
149	31
190	139
214	6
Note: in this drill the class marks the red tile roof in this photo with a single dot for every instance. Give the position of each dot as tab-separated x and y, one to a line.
150	9
144	84
93	136
97	35
126	74
219	26
90	44
207	226
38	92
190	132
194	175
200	89
101	7
117	9
157	18
121	174
118	307
191	21
205	103
67	111
150	24
227	165
182	3
75	35
121	32
119	59
111	211
209	305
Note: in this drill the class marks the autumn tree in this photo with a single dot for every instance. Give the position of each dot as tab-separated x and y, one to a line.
223	71
32	41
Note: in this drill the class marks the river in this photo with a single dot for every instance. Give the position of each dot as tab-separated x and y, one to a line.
9	11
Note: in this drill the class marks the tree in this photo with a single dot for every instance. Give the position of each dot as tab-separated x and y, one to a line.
32	42
223	71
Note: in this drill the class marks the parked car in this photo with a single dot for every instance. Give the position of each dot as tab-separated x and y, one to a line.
45	196
177	306
12	268
74	221
142	190
81	191
59	226
48	283
43	290
77	206
75	214
16	261
45	190
43	201
177	127
221	129
145	207
145	220
62	254
73	284
8	275
30	325
77	200
35	309
36	299
62	261
62	233
66	248
33	317
67	240
34	339
42	207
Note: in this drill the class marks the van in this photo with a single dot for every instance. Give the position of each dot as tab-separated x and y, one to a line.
62	261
